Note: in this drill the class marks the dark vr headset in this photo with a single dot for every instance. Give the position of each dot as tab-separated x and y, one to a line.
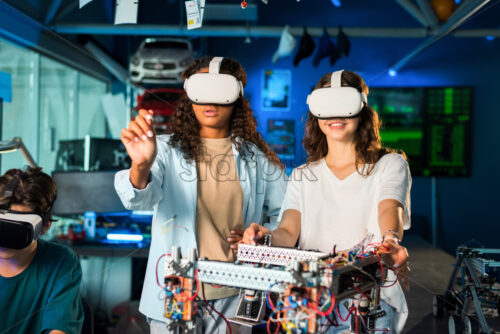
18	229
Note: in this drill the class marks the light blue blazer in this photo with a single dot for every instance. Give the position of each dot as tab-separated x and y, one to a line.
172	191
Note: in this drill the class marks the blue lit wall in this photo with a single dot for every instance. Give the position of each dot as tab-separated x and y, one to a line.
467	207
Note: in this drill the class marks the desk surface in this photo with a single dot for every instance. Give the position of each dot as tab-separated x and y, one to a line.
110	250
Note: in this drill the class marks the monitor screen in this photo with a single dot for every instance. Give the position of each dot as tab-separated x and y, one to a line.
432	125
78	192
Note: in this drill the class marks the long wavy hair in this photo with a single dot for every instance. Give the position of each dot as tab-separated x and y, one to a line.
367	140
185	128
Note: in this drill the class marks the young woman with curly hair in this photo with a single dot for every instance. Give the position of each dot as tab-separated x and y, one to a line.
214	173
350	186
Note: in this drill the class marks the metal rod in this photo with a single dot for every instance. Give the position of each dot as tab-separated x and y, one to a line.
230	31
428	12
452	23
25	152
434	228
414	11
264	31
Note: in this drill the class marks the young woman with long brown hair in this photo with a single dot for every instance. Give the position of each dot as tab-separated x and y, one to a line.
350	186
214	173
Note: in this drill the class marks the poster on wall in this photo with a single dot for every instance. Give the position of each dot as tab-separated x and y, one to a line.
281	139
275	90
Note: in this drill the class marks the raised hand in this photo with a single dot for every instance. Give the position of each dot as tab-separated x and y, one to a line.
140	141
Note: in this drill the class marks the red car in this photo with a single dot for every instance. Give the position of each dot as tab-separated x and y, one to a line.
163	102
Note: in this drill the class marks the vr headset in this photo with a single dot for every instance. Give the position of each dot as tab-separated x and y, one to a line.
336	101
213	87
18	230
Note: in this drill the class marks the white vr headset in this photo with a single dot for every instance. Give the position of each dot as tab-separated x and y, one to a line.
213	87
336	101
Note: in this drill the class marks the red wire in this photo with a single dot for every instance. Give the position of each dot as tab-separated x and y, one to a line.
348	314
157	263
361	292
270	301
393	283
356	319
213	309
330	309
381	268
277	328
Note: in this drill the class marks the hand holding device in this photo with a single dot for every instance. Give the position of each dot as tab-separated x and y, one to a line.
235	237
397	256
254	233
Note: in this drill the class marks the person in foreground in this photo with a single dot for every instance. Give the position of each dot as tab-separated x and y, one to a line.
39	280
206	181
350	186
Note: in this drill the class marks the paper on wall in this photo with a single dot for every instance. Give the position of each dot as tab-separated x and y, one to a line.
193	16
126	11
84	2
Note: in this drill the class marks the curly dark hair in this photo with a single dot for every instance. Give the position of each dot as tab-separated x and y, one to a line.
185	128
35	189
368	145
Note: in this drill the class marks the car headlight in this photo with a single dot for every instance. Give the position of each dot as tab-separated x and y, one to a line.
186	62
136	61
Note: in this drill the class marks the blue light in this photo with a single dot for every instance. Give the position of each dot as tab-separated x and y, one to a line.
142	212
336	3
124	237
393	72
490	38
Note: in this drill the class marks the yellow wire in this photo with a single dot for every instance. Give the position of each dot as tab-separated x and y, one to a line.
286	328
168	315
178	309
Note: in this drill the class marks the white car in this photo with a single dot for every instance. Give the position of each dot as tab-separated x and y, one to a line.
161	60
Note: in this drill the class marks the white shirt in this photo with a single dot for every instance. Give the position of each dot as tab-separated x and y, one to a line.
341	212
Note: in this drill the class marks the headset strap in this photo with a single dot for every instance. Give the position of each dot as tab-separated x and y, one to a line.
10	190
214	66
336	79
337	83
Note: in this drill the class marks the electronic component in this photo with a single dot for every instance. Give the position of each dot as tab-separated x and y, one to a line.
307	285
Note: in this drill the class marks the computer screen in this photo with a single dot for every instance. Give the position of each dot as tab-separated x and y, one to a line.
432	125
78	192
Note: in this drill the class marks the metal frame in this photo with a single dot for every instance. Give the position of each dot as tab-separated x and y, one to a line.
471	267
274	255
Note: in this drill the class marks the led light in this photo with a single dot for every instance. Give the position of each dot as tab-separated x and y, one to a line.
142	212
336	3
490	38
124	237
393	72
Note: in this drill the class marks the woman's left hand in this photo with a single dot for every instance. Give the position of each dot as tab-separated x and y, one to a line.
397	257
234	238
